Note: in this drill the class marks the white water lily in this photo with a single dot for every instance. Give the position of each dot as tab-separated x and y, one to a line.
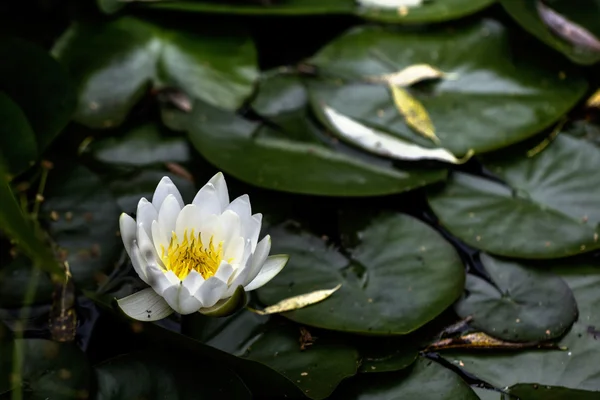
194	256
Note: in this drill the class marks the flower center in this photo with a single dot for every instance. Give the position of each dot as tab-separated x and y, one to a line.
191	255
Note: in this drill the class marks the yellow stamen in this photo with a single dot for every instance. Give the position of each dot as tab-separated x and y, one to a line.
191	255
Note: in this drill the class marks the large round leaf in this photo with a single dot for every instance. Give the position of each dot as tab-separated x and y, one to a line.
157	376
316	369
423	12
114	61
583	13
519	304
295	156
39	86
548	209
143	145
84	223
260	7
401	275
426	380
505	97
575	367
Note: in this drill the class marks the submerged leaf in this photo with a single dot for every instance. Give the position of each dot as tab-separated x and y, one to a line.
480	340
410	75
384	144
297	302
414	113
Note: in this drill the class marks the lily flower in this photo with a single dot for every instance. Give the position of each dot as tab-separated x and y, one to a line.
203	256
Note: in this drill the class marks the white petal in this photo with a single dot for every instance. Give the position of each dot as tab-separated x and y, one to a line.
220	185
258	258
158	279
240	276
207	201
146	213
145	305
232	227
212	228
188	219
139	264
180	300
253	229
241	206
160	239
270	269
164	188
234	250
193	281
146	246
224	271
210	292
167	215
128	229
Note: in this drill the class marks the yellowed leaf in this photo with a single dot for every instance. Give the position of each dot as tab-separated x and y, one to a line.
414	113
410	75
480	340
297	302
594	100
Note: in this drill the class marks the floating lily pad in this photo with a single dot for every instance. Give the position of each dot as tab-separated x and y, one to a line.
520	304
156	376
17	139
505	97
260	7
144	145
548	209
402	271
385	355
575	367
526	391
114	62
420	11
426	380
294	156
316	369
83	221
585	14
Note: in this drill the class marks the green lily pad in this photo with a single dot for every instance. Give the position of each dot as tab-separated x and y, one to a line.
295	156
114	62
156	376
255	7
87	225
426	380
526	391
317	370
548	209
583	13
574	368
39	86
401	275
505	97
425	12
49	369
520	304
144	145
386	354
485	394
